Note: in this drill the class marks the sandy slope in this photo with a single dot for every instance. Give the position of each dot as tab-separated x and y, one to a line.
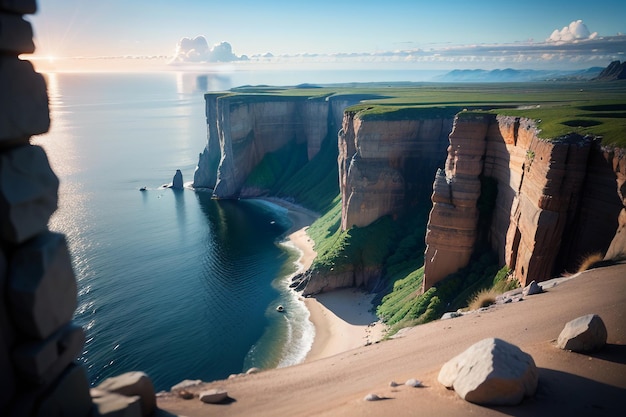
570	384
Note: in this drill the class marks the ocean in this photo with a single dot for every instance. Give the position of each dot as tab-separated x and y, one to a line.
171	282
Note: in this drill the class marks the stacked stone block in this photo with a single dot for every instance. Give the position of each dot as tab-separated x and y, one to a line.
38	341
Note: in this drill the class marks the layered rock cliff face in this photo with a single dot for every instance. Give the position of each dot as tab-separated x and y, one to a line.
556	201
384	164
385	168
241	130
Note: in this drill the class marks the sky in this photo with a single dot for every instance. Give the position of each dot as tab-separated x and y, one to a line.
449	33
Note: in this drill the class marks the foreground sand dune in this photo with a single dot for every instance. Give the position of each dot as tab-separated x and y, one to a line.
570	383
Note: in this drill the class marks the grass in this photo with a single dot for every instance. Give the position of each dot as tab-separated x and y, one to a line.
590	261
483	298
605	118
561	108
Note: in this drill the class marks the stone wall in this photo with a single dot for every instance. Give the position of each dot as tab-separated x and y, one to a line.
38	289
39	343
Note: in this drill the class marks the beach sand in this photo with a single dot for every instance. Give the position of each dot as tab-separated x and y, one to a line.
342	319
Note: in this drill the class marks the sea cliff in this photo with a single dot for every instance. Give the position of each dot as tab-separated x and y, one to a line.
493	180
557	200
243	129
383	162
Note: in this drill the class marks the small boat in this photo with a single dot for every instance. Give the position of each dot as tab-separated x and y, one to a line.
143	189
280	309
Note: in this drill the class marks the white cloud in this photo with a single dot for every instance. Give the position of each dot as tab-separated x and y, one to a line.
197	50
576	30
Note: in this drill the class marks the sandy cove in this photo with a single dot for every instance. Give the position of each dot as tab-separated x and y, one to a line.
343	319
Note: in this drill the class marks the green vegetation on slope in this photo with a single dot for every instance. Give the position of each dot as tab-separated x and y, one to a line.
405	306
276	168
358	247
316	184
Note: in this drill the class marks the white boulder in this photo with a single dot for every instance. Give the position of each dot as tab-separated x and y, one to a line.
491	372
584	334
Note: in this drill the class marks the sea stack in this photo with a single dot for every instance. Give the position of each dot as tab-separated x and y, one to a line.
177	182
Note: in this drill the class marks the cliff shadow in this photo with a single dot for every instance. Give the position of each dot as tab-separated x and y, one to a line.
351	305
495	208
594	224
562	393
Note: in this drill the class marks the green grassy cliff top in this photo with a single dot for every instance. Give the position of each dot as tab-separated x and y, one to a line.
560	108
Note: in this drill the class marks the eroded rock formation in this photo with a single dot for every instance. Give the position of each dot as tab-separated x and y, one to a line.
556	199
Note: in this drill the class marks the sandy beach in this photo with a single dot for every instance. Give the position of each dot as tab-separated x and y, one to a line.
343	319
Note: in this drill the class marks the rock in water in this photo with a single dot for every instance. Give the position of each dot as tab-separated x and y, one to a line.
584	334
177	182
491	372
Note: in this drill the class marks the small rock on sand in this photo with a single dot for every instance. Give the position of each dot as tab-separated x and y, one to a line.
372	397
213	396
413	383
584	334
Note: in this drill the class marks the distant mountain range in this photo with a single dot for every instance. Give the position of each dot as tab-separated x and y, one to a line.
513	75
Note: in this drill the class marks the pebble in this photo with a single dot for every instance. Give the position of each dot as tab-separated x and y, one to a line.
413	383
372	397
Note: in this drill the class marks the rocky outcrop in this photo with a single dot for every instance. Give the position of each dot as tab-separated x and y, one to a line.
385	166
452	225
242	129
316	282
556	199
383	162
177	181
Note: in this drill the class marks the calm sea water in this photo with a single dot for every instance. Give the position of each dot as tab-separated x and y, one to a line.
170	282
